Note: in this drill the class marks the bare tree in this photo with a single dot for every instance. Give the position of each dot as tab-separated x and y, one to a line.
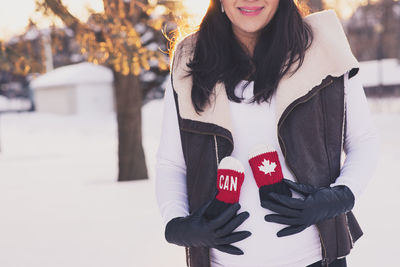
315	5
374	30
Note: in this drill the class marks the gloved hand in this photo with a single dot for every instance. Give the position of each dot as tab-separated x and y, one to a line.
267	171
230	177
196	230
319	204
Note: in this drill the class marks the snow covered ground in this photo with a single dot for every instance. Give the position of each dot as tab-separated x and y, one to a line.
14	104
60	204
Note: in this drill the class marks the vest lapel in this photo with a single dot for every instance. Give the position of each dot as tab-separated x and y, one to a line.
329	54
217	113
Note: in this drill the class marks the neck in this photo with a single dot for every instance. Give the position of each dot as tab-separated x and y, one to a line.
246	39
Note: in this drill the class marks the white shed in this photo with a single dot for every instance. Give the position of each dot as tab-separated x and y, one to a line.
75	89
385	71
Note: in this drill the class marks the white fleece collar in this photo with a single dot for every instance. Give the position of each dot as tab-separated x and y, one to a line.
329	54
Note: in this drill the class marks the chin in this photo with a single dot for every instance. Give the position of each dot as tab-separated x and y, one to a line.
252	28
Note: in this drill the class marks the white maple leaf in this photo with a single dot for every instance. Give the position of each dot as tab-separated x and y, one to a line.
267	167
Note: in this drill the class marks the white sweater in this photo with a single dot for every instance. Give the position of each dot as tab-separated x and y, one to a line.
263	247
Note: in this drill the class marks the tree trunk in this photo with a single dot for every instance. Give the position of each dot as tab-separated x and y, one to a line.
315	5
131	158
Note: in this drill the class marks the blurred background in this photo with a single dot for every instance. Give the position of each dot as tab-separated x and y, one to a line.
81	88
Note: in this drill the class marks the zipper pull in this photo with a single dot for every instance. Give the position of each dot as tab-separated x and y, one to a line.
324	262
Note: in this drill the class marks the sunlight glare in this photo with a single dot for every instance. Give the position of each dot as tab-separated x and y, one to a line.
197	9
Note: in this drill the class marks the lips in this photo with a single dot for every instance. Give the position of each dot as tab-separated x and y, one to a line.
250	10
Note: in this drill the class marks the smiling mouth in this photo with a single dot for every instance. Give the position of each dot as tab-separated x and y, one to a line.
250	9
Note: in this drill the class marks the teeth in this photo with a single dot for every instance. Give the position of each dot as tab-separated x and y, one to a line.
247	10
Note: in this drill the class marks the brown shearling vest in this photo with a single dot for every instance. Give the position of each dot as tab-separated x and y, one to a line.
311	124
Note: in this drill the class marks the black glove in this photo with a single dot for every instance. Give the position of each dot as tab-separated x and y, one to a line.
279	188
196	230
319	204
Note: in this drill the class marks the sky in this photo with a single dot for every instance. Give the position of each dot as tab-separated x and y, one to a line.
14	18
14	14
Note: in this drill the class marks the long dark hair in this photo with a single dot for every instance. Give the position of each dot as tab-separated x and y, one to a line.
219	57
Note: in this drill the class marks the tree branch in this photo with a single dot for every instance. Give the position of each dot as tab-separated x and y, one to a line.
62	12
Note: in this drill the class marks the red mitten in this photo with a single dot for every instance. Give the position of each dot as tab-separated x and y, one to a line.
230	177
267	171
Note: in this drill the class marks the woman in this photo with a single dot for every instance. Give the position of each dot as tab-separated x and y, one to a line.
258	72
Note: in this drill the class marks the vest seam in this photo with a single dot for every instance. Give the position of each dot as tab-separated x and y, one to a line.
322	100
309	95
